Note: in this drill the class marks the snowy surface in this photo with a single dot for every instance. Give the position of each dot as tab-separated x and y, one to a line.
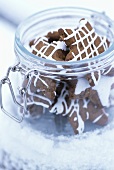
23	147
92	150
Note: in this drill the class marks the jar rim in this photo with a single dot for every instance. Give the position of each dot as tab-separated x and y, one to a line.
21	47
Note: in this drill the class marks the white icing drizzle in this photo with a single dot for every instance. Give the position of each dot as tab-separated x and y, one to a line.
43	82
87	114
43	39
95	81
43	98
75	106
98	118
87	35
94	78
56	44
58	107
39	97
80	128
45	102
38	103
75	119
61	107
99	76
108	70
29	99
85	103
36	77
35	81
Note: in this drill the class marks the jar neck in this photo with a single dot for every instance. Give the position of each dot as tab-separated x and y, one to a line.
38	22
78	69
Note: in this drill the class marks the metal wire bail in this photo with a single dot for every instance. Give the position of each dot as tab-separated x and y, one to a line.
7	81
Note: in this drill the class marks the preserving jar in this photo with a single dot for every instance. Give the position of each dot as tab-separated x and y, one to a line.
29	69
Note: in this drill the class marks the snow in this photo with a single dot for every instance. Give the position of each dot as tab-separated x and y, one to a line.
91	150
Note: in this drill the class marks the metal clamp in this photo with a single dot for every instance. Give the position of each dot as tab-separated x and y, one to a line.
22	91
7	81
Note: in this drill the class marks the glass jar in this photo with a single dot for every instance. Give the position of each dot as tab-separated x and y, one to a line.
82	82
